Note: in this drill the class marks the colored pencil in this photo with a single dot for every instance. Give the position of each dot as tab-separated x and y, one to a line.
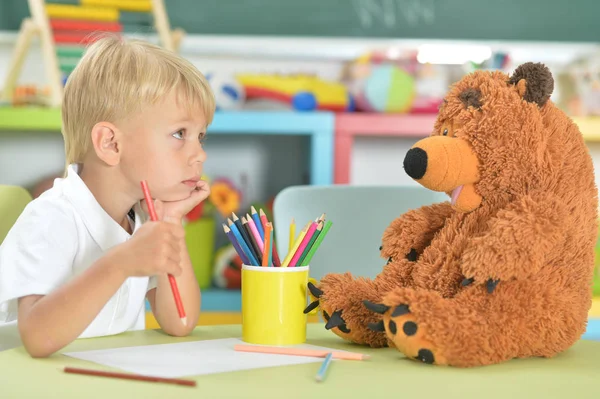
298	252
253	242
266	261
271	243
255	233
236	245
292	237
288	258
244	233
282	350
310	243
317	243
243	243
172	281
127	376
257	222
264	220
324	366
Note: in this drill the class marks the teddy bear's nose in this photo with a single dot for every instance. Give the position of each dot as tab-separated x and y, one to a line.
415	163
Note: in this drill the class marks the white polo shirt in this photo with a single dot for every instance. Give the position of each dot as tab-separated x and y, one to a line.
59	235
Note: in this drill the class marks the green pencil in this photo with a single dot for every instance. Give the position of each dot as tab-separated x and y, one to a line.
310	243
317	243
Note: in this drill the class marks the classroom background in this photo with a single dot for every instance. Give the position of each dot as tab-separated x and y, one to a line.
308	92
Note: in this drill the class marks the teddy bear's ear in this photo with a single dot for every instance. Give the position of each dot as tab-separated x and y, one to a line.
534	82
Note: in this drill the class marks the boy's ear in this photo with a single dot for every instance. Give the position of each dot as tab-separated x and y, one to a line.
106	140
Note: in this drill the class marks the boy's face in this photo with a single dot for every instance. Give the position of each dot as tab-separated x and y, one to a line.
163	145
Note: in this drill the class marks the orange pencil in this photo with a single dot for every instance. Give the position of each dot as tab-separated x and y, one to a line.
280	350
264	220
136	377
172	280
267	246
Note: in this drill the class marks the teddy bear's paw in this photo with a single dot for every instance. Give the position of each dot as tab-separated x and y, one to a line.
343	315
490	284
406	333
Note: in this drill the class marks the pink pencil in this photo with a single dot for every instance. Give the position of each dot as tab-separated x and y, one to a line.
305	240
256	234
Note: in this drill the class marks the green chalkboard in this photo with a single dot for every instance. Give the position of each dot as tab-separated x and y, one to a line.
545	20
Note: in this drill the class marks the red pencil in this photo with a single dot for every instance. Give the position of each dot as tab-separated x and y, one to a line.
98	373
172	280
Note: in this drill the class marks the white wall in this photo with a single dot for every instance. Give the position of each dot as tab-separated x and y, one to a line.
27	157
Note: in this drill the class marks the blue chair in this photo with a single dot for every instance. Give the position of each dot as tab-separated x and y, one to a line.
359	214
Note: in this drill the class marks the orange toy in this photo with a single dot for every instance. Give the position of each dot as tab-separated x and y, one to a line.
504	269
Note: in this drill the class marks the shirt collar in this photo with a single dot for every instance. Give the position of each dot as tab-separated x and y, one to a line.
105	231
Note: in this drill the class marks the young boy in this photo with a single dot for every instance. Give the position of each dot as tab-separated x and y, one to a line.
80	261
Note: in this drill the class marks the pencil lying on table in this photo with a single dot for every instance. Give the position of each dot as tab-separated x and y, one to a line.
127	376
300	352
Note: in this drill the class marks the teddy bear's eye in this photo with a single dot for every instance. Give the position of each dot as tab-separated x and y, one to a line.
445	132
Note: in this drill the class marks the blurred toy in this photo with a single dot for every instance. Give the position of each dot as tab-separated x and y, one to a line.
227	271
579	86
431	84
379	83
229	93
64	30
302	92
225	197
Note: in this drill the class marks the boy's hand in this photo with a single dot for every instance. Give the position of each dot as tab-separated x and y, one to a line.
174	211
154	249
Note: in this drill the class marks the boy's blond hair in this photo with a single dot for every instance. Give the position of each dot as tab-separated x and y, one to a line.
115	78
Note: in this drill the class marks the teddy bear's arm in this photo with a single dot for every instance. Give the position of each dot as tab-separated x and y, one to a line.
408	235
516	244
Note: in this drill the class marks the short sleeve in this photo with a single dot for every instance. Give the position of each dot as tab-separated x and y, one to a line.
37	255
152	282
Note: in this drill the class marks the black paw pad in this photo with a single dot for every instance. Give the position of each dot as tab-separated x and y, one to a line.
491	285
376	307
412	255
336	320
409	328
310	307
400	310
314	290
425	356
377	327
392	327
467	281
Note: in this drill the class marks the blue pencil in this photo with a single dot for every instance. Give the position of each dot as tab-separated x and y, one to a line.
236	245
324	366
243	244
257	222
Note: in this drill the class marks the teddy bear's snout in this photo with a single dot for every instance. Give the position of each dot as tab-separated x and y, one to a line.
415	163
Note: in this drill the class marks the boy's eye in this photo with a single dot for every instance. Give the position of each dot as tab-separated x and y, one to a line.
178	134
202	137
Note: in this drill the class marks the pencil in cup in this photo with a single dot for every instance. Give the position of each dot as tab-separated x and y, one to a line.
236	244
244	234
172	281
267	260
252	240
243	244
263	218
258	222
317	243
305	240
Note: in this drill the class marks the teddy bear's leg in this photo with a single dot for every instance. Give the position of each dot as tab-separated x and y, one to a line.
341	297
475	328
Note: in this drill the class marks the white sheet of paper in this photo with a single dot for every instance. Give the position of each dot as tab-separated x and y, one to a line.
190	358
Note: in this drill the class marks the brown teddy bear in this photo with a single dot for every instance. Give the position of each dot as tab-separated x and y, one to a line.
504	269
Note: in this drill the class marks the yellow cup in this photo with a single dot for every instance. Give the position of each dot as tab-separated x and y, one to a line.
273	303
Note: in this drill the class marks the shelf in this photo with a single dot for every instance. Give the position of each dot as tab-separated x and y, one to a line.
243	122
